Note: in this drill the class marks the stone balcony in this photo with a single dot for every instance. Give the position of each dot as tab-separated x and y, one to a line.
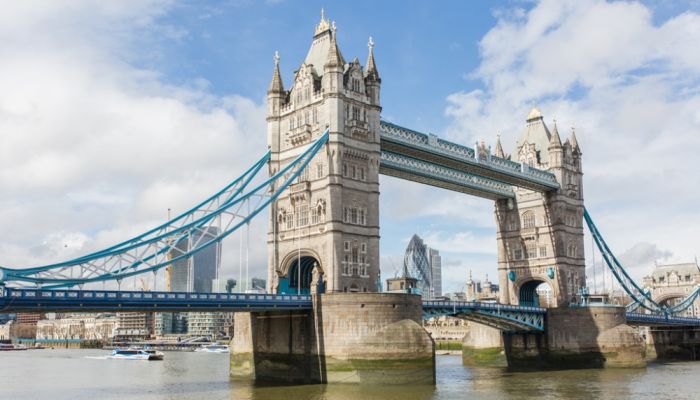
300	135
300	187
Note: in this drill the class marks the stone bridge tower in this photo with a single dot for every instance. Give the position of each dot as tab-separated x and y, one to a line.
329	218
540	235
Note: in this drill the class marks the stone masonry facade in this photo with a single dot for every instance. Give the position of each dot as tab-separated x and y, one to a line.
331	213
540	235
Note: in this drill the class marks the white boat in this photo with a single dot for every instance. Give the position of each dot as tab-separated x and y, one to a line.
12	347
213	348
155	355
134	354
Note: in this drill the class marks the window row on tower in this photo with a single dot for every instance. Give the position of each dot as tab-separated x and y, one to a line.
355	259
529	220
354	172
306	117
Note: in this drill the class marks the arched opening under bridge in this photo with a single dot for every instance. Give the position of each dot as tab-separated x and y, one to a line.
299	276
536	293
675	299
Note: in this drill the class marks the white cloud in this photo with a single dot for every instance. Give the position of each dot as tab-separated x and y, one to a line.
94	148
631	87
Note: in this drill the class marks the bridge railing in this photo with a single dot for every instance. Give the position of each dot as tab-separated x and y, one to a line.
96	295
662	319
484	306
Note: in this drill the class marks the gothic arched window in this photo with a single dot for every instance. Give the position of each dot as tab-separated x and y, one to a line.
529	220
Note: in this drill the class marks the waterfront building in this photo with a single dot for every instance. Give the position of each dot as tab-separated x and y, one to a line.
134	326
670	284
481	291
403	284
100	327
5	331
29	318
445	328
212	325
170	324
424	264
198	272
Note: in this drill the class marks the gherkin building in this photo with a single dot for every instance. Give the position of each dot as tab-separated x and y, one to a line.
418	263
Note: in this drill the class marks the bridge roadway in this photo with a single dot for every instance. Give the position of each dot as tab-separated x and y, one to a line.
503	317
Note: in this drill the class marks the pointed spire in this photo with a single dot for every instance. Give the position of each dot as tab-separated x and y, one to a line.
555	140
534	114
574	142
276	85
371	71
323	25
499	147
334	59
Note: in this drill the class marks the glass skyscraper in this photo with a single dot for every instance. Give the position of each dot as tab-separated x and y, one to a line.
198	272
424	264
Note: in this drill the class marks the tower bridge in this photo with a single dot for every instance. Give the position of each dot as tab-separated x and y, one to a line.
323	319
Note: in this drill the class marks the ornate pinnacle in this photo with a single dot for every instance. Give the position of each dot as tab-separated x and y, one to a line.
371	68
276	85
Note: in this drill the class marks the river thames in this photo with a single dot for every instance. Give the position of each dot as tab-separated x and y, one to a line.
80	374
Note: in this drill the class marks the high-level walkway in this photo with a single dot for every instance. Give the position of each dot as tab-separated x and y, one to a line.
425	158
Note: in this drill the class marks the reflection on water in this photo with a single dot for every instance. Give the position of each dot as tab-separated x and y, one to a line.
80	374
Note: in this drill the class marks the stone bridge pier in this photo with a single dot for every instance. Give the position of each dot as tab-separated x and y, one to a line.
346	338
575	337
673	343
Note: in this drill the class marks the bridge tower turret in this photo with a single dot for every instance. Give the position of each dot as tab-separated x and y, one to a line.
328	221
540	235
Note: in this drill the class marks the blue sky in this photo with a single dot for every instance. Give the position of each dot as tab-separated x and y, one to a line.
111	113
425	49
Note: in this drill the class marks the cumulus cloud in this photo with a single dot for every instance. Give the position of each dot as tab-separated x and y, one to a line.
629	84
91	140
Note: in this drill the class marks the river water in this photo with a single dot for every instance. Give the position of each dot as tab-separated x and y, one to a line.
80	374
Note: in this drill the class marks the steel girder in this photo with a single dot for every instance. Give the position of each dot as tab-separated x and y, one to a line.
436	151
228	210
35	300
405	167
660	320
503	317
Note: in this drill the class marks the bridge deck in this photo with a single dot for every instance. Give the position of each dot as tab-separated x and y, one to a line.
504	317
28	300
660	320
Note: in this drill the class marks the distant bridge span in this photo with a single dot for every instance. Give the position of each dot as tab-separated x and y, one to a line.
500	316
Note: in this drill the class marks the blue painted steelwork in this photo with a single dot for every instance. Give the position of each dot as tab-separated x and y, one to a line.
402	166
640	297
43	300
504	317
157	248
435	151
660	320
